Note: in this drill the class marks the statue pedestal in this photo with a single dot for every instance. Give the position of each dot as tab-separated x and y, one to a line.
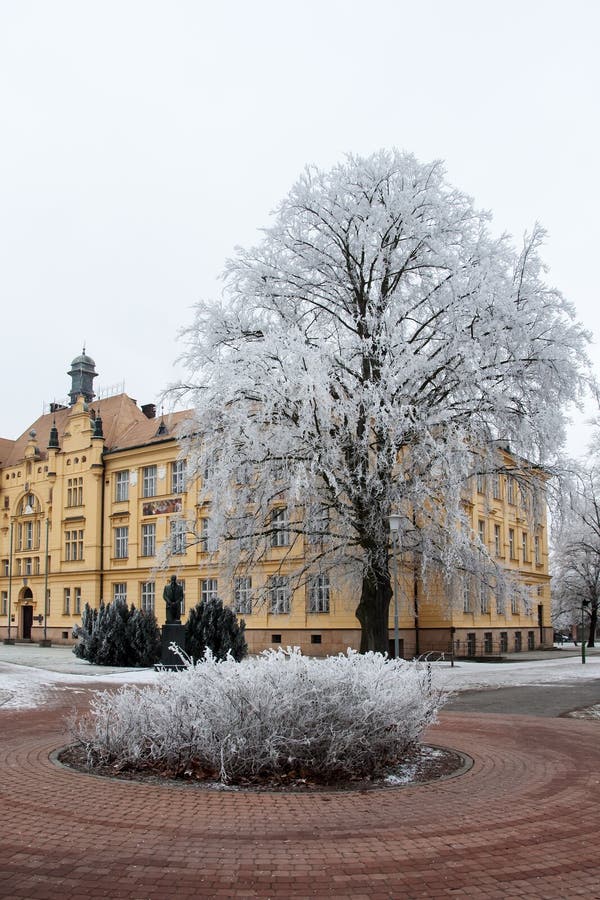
172	634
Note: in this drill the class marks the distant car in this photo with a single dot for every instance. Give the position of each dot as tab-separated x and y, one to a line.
562	638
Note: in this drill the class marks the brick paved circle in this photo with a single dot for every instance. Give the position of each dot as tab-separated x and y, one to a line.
523	822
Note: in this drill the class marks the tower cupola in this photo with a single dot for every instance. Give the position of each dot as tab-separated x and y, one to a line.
82	372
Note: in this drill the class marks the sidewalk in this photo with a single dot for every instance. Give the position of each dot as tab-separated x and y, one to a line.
55	659
62	659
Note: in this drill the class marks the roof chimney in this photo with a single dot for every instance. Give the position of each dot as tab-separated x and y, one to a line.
149	410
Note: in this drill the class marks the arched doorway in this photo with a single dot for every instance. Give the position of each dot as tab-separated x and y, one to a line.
26	599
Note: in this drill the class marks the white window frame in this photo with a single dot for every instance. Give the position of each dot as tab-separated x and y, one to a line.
178	476
149	481
149	539
178	536
280	595
67	601
120	590
280	527
147	596
209	589
242	595
122	486
319	593
122	542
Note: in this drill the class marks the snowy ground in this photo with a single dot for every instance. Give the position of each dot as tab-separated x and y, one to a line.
25	687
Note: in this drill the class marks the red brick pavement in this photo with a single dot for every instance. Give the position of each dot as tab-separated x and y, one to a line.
523	822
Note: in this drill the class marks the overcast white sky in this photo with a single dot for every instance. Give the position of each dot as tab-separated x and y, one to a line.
141	140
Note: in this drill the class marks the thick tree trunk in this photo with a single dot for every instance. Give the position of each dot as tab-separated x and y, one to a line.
373	612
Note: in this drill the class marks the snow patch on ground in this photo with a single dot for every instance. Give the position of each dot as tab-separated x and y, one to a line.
25	687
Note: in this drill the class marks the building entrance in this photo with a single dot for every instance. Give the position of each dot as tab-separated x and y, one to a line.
26	622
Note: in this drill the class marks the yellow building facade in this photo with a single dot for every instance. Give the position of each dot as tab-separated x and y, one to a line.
93	490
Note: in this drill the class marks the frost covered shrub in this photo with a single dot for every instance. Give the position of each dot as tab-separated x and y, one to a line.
212	626
277	715
118	635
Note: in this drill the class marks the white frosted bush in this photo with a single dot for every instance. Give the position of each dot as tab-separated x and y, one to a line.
279	714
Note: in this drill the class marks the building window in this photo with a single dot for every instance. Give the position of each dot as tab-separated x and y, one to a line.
74	544
67	601
4	603
280	534
511	543
500	602
5	567
497	540
122	486
466	588
315	638
147	596
480	483
243	473
122	542
178	476
149	475
510	490
120	591
504	642
28	566
514	605
496	487
471	643
487	642
318	524
531	640
318	594
484	599
208	589
481	530
275	638
77	608
36	565
518	642
207	542
242	595
178	536
75	491
537	550
279	594
28	542
525	547
149	539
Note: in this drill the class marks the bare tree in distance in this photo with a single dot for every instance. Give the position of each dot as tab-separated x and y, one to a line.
576	556
365	359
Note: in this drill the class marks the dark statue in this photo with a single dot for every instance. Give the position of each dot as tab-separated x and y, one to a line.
173	597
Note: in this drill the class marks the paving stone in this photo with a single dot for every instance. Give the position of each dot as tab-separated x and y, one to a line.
523	822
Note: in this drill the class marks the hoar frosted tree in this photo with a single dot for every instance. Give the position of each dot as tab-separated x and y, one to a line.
576	555
363	360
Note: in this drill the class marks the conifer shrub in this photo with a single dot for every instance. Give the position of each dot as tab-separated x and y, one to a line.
212	626
118	635
277	716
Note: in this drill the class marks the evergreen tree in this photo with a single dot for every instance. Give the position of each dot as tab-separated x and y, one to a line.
144	637
118	635
212	626
85	633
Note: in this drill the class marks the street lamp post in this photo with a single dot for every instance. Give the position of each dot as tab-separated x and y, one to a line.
584	603
395	532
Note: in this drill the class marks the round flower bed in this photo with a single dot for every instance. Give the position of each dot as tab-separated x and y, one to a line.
277	719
